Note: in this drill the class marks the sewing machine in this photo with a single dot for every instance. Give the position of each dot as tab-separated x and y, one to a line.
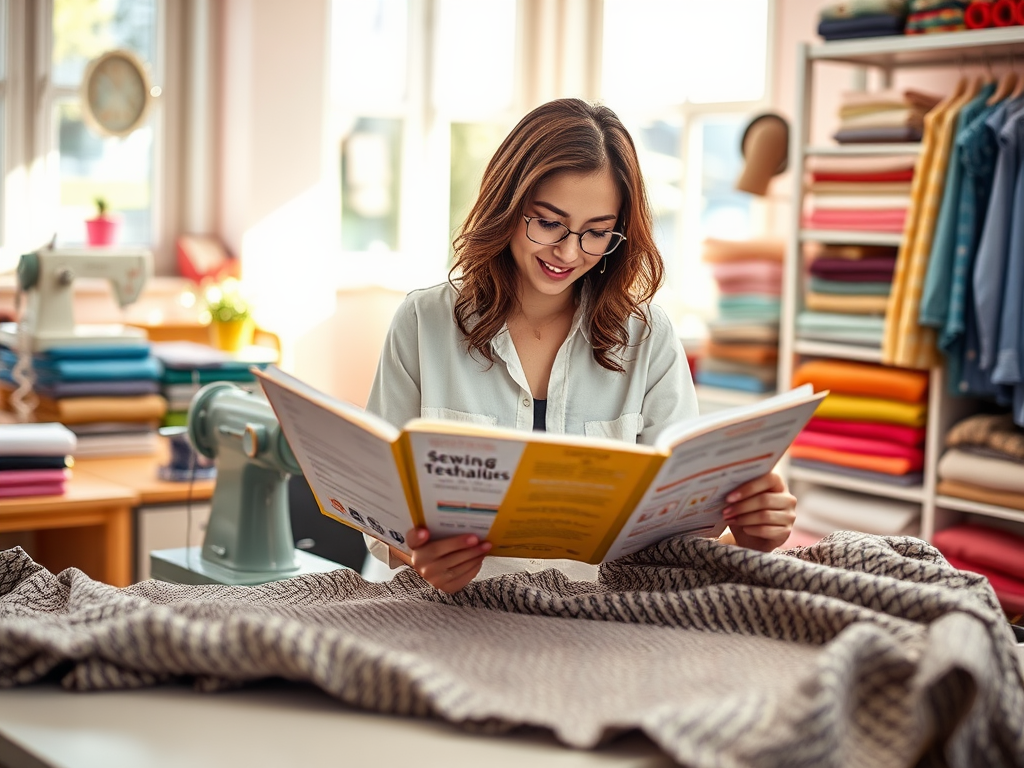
47	276
249	535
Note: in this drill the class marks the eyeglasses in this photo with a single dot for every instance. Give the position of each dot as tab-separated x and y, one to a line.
596	242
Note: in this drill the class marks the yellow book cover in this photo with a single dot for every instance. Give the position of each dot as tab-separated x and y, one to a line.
531	494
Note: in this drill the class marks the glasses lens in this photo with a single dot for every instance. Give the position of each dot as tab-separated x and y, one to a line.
546	232
598	243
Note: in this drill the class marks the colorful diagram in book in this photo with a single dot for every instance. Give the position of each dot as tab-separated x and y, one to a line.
688	493
351	470
462	479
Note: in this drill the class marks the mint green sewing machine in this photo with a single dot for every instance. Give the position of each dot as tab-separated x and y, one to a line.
249	535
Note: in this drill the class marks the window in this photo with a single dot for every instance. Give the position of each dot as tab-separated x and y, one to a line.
91	166
55	165
425	90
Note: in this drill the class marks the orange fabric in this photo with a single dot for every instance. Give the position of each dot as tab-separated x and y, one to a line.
979	493
864	379
889	465
84	410
715	250
757	354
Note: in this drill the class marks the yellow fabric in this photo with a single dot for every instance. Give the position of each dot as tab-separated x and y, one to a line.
854	304
856	408
906	343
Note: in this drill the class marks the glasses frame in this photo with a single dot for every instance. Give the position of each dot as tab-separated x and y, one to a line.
579	235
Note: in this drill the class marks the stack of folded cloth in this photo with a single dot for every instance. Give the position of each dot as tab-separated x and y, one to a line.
821	510
106	394
862	18
849	279
984	461
883	116
871	425
928	16
874	196
994	553
846	293
742	350
187	367
35	459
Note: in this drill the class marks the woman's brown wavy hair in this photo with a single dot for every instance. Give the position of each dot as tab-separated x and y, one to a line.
563	135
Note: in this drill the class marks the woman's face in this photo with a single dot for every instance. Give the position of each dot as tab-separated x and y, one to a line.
580	201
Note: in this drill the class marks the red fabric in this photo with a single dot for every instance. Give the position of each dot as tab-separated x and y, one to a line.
987	547
1009	591
859	445
873	430
1004	13
978	15
889	465
902	174
875	220
10	478
40	489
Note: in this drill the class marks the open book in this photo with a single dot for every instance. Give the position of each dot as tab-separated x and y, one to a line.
531	494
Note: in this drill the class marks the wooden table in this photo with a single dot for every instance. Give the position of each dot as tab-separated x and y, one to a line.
88	527
91	525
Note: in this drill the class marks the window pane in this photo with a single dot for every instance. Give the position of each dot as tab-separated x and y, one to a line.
369	39
725	212
659	145
474	56
472	147
84	29
370	175
659	52
118	170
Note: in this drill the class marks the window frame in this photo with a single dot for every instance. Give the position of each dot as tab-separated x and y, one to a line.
31	159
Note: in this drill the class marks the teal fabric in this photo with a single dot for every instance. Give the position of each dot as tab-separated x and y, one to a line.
822	285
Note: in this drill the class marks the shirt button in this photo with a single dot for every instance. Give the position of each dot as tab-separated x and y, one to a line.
526	402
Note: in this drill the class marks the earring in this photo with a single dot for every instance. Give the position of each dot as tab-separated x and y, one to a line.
604	265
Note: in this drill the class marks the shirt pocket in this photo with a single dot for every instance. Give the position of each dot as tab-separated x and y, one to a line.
625	428
449	414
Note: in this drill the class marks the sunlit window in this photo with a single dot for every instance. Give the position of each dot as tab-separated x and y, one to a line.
686	96
118	170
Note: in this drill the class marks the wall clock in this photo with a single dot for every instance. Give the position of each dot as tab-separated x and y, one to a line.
116	93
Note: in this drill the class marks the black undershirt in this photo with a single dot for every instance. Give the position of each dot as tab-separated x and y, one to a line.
540	412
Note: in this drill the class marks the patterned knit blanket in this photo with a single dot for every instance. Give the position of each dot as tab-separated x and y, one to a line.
857	651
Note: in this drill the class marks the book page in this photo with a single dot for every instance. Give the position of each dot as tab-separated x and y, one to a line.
688	493
352	470
531	494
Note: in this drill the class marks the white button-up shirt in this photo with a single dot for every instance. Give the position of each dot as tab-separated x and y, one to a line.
425	370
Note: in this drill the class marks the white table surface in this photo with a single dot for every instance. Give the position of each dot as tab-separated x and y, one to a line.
273	725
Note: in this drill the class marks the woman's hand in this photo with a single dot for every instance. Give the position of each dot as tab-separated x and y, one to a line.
761	513
447	564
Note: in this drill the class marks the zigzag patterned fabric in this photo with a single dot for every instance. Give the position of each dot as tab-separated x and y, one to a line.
857	651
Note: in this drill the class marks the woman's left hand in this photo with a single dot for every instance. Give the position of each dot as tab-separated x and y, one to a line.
761	513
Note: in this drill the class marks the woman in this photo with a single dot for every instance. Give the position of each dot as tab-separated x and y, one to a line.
546	322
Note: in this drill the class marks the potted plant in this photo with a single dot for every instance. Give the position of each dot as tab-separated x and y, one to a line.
101	230
231	323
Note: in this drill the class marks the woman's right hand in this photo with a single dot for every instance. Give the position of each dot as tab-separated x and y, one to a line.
447	564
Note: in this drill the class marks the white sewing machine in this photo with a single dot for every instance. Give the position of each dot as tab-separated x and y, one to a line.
47	277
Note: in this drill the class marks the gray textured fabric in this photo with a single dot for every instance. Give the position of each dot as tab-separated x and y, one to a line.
857	651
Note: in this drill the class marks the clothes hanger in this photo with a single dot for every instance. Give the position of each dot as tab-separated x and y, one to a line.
1019	90
1004	88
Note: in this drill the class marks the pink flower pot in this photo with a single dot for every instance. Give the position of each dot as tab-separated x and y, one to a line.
101	231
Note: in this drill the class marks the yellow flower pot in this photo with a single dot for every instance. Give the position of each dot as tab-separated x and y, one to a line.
231	335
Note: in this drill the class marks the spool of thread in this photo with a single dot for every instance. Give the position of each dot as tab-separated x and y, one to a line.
1004	13
1020	12
978	15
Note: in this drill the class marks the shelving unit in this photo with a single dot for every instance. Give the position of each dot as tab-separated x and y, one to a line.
886	54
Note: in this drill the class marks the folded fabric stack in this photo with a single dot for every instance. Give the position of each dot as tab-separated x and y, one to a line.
34	459
872	424
984	461
874	198
993	553
883	116
187	367
107	395
742	350
929	16
822	510
849	279
862	18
